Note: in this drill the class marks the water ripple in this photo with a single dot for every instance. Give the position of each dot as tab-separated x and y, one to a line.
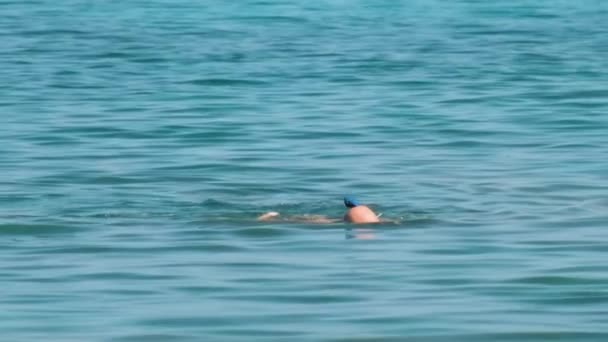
139	142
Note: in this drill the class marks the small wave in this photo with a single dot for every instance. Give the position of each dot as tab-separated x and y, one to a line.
222	82
557	280
273	18
56	32
34	229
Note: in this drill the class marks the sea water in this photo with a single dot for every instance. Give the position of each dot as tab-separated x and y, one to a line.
140	139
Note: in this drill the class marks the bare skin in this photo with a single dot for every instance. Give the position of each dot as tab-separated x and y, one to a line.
273	216
359	214
269	216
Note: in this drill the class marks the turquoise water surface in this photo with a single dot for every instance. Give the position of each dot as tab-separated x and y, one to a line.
140	139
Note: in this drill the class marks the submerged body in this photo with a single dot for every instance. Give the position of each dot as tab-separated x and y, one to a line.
356	214
273	215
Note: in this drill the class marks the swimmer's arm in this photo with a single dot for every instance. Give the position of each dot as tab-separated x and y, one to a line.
320	219
273	215
312	219
269	216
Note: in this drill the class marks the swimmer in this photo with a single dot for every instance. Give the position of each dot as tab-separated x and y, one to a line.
356	213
